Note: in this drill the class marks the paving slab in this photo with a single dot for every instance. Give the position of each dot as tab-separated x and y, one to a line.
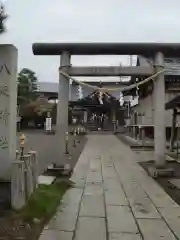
143	208
92	206
78	179
124	236
161	199
78	183
109	172
94	177
93	190
107	163
155	229
133	190
66	217
90	228
115	197
120	220
56	235
72	196
112	184
172	217
156	193
175	182
71	201
95	164
63	221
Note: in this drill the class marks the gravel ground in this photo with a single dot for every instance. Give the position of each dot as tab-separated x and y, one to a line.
47	148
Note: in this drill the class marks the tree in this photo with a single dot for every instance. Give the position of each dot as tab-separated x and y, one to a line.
3	17
27	86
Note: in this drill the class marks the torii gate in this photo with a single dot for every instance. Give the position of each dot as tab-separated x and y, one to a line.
155	50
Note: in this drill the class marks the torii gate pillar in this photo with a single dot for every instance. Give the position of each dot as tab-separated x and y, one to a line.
62	106
159	112
160	168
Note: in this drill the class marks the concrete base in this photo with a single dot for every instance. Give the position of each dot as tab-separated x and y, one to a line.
52	132
160	172
46	180
62	170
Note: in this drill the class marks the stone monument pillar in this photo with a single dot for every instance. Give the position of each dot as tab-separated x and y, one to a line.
8	109
159	113
62	106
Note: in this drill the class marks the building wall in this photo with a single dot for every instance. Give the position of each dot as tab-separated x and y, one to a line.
145	109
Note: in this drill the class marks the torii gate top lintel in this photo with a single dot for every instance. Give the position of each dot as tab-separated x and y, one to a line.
168	49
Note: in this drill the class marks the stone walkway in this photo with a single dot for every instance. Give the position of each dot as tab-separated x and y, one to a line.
113	199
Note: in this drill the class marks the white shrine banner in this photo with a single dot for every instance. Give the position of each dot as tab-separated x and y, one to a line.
48	124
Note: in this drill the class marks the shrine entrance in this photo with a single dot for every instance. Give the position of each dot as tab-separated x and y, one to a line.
155	72
98	110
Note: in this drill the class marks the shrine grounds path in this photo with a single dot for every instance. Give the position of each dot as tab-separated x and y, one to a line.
113	198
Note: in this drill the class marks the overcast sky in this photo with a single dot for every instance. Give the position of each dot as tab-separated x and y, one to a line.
86	21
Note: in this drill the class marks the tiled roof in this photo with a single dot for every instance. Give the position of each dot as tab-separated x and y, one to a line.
172	65
48	87
52	87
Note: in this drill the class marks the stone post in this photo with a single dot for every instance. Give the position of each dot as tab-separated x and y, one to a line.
17	185
138	132
85	117
137	126
114	119
62	107
173	129
134	131
8	109
159	113
28	175
34	165
143	135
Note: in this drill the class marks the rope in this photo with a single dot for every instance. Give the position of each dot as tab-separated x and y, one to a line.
121	89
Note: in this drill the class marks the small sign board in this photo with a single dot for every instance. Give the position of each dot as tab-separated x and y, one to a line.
48	124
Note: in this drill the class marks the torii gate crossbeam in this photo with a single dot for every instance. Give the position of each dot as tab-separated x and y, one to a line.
147	49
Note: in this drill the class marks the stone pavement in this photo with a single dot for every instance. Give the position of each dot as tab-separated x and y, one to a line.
113	199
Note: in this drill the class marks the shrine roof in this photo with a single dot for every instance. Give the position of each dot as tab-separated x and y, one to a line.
92	100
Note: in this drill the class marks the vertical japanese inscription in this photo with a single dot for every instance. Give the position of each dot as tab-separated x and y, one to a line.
4	113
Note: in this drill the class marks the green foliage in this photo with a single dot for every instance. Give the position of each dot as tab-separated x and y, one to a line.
37	108
3	17
27	86
44	202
